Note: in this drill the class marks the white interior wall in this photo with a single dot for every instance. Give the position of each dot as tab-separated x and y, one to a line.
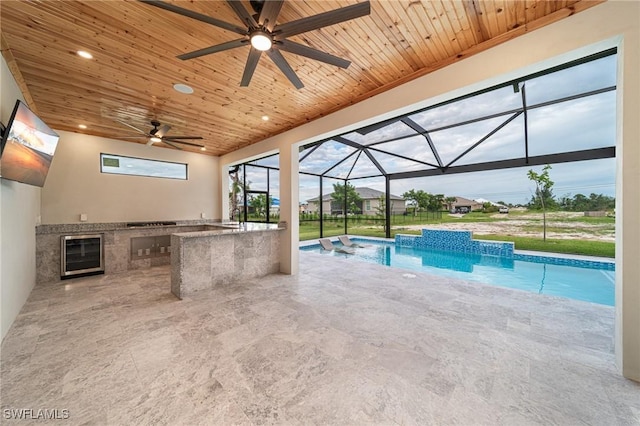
75	184
611	24
19	210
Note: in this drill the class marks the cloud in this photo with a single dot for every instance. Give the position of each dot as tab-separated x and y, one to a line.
578	124
325	156
575	125
513	186
495	101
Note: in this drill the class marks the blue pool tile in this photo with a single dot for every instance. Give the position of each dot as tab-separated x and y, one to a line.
578	263
459	241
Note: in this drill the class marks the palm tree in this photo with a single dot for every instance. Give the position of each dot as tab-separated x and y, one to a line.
236	191
450	201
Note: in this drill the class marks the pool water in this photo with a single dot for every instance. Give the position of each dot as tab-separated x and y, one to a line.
581	283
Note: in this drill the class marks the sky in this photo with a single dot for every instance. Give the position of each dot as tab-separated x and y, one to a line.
508	185
577	124
142	167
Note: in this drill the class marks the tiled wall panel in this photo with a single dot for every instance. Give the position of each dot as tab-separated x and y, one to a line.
460	241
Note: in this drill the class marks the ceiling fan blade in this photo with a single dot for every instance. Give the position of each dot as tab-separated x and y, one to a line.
250	67
175	138
214	49
242	13
165	140
133	127
195	15
322	20
171	144
269	13
311	53
284	66
162	131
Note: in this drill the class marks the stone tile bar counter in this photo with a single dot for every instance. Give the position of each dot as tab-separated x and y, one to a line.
117	244
223	254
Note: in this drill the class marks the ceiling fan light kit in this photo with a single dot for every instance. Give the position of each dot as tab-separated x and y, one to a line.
261	40
263	34
159	134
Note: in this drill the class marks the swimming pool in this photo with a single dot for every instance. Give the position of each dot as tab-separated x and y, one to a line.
540	274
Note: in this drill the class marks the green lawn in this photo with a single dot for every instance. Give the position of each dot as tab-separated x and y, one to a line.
583	247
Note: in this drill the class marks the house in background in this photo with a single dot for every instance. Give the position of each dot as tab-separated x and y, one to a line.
464	205
369	205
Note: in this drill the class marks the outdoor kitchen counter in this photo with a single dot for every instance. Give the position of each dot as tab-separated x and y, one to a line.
222	254
117	237
224	228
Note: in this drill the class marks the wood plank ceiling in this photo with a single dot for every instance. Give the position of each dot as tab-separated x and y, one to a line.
131	77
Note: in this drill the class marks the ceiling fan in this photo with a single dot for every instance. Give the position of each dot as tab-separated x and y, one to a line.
158	134
264	35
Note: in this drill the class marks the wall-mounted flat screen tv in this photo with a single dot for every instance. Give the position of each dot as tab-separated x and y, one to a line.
28	146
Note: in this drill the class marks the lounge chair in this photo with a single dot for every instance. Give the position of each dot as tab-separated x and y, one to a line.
328	245
348	243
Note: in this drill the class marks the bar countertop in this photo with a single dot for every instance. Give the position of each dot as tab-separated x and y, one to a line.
222	254
228	228
170	227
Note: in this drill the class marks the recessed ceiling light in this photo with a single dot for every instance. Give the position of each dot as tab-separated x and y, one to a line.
203	149
265	118
84	54
183	88
82	126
